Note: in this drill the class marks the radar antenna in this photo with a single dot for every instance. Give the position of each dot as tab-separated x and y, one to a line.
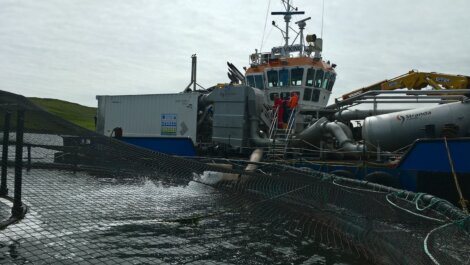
302	24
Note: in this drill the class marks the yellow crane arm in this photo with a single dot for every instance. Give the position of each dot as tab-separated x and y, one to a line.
417	80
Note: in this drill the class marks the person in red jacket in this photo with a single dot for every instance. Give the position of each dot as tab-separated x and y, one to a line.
280	110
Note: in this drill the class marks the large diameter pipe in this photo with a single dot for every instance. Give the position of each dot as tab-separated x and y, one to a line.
214	177
346	130
255	99
396	130
255	157
254	136
205	100
314	133
204	115
346	143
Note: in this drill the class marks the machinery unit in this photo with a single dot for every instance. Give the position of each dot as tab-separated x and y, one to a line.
236	115
159	115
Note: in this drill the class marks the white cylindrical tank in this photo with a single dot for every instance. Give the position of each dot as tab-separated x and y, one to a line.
396	130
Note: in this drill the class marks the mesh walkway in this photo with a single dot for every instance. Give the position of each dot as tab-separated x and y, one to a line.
5	210
92	200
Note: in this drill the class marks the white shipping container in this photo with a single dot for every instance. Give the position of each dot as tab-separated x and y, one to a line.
159	115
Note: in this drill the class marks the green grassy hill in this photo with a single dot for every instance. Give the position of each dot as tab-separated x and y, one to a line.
73	112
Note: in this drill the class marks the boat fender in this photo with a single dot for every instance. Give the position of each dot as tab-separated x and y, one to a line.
343	173
383	178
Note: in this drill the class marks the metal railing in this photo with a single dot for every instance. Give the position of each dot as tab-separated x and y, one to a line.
410	96
290	128
273	126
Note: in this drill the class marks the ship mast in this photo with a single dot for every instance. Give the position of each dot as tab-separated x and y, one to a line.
287	17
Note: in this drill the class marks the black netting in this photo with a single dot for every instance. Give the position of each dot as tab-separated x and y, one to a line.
92	199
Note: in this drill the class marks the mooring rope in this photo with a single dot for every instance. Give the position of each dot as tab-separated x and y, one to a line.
462	200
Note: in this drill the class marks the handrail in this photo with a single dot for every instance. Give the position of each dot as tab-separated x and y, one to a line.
272	128
290	122
339	102
273	123
289	128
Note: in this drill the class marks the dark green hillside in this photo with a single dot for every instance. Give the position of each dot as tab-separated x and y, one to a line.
73	112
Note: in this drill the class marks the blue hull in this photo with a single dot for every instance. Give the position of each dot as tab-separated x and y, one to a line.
424	168
167	145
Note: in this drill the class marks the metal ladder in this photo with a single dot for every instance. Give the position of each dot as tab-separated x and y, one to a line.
281	137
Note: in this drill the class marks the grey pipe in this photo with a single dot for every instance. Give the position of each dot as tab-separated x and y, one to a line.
346	130
313	133
340	131
348	115
203	116
214	177
253	111
204	100
345	142
254	136
337	131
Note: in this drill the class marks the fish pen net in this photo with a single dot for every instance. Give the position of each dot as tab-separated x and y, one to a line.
93	199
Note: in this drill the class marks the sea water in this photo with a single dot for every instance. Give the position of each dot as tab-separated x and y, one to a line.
80	218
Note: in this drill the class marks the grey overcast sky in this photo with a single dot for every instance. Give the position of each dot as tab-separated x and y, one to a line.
77	49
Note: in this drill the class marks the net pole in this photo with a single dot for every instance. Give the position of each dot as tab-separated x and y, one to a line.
6	138
17	210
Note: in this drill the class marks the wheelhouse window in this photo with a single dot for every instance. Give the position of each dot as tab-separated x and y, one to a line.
316	95
326	80
255	81
310	76
272	78
296	76
332	82
307	94
283	77
251	80
273	95
259	82
285	95
318	78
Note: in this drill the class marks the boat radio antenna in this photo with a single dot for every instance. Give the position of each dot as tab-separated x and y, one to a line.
322	15
290	10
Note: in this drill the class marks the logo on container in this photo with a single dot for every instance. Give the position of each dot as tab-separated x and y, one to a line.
401	118
415	116
442	79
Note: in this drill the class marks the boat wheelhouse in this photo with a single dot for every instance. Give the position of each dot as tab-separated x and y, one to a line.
293	68
311	79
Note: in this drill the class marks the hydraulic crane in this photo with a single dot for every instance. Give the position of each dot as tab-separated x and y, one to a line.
417	81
